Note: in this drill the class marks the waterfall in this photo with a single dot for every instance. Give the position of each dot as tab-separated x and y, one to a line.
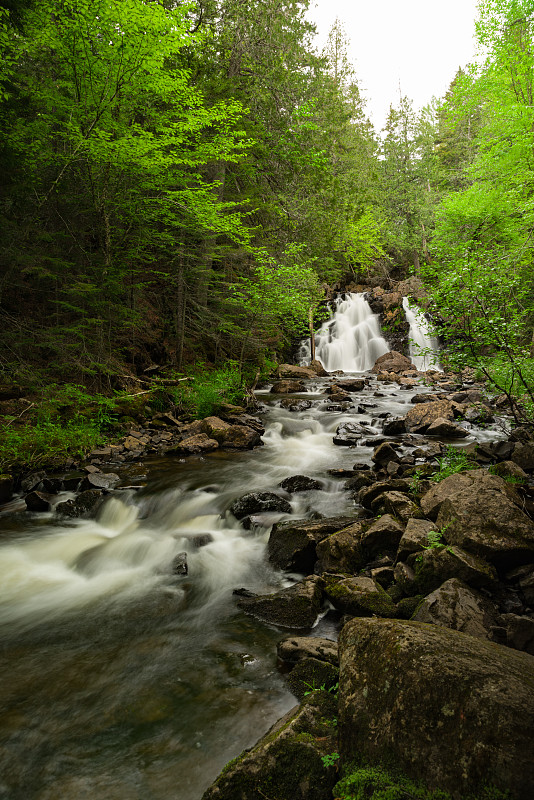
351	340
424	349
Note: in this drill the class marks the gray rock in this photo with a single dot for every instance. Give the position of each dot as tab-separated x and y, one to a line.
394	426
349	433
296	607
259	502
415	537
400	505
295	648
358	596
436	565
100	480
341	552
85	505
300	483
179	564
38	501
384	535
292	545
523	456
385	453
455	605
519	632
446	708
446	429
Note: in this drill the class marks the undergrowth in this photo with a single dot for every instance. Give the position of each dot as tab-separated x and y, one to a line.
452	461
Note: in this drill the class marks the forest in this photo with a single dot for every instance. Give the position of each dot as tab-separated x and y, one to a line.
181	180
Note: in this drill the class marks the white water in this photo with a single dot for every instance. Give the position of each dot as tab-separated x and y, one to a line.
351	340
424	348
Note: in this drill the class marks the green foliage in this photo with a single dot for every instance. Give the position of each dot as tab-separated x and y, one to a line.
330	759
209	390
46	443
377	783
452	461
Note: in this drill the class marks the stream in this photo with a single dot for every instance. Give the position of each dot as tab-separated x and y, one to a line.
124	681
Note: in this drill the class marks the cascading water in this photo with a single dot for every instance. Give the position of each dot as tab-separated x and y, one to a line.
351	341
424	348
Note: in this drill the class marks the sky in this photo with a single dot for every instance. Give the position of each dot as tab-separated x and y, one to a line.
417	43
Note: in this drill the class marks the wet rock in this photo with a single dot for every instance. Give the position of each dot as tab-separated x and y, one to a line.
100	480
359	480
436	565
38	501
415	537
295	648
480	517
294	371
509	469
240	437
85	505
358	596
425	398
465	691
352	385
194	445
455	605
292	545
296	405
392	362
422	415
179	564
300	483
288	761
385	453
383	536
296	607
311	674
341	552
71	481
6	488
258	502
348	434
394	426
32	481
288	387
318	368
446	430
405	578
214	428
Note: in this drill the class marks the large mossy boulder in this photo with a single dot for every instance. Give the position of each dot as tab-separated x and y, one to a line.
292	545
359	596
287	763
446	708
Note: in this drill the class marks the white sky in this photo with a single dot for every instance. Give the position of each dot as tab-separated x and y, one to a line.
420	43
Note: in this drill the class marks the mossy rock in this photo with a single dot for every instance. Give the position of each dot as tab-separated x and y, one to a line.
359	596
309	675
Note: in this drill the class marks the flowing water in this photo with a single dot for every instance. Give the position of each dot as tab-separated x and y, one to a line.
424	348
351	340
124	681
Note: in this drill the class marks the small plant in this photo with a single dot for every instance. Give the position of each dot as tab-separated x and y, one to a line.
313	688
434	539
451	462
330	759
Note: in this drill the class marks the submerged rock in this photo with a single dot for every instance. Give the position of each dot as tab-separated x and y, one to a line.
449	709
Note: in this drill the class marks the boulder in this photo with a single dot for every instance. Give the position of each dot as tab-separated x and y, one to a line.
394	426
399	505
415	537
352	384
295	405
311	674
288	387
179	564
292	545
436	565
240	437
295	648
482	517
383	536
523	456
341	552
214	428
6	488
358	596
455	605
392	362
194	445
348	434
38	501
294	371
297	607
32	481
359	479
85	505
300	483
288	761
519	632
448	709
446	430
385	453
259	502
318	368
369	494
422	415
100	480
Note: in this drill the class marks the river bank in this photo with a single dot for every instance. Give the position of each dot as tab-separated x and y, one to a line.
144	674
